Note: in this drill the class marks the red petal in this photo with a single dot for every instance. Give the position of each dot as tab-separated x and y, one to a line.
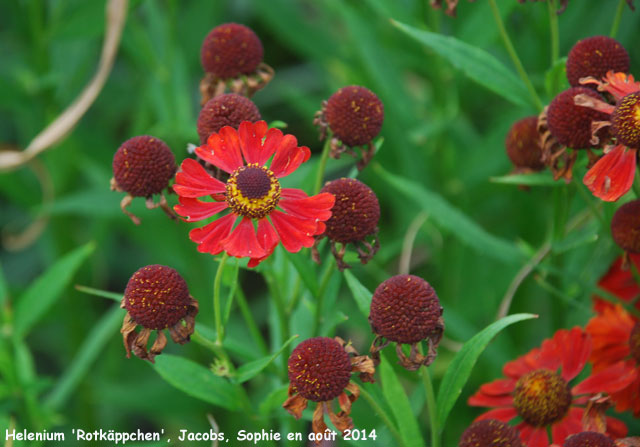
538	438
194	181
288	156
194	209
222	150
243	243
574	349
481	399
251	136
209	238
570	425
612	176
268	238
294	233
522	365
616	428
293	193
315	207
610	380
502	414
271	142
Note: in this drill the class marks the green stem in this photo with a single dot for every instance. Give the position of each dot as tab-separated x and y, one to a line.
616	19
380	412
636	184
322	164
431	407
241	299
324	282
216	299
514	56
281	310
592	206
553	26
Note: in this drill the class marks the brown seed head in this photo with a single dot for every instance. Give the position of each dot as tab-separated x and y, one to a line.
595	56
625	120
355	213
490	433
319	369
542	397
523	144
230	109
588	439
156	297
143	166
634	342
625	226
571	124
230	50
405	309
354	115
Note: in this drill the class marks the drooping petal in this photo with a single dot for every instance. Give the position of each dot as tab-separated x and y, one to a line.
294	232
242	242
209	238
315	207
609	380
251	136
612	176
569	425
574	350
268	239
222	150
504	414
194	181
289	156
538	438
293	193
620	283
194	209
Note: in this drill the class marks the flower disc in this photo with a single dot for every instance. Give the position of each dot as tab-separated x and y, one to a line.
490	433
230	109
588	439
542	397
230	50
625	120
354	115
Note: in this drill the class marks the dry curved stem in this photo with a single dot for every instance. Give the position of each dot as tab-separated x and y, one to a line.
116	13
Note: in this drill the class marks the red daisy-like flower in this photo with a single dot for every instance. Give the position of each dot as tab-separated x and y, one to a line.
252	194
536	389
619	282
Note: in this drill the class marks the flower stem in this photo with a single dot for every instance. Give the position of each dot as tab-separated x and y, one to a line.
216	299
380	412
431	407
514	56
241	299
322	289
553	26
616	19
322	164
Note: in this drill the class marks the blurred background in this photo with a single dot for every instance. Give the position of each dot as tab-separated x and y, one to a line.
442	132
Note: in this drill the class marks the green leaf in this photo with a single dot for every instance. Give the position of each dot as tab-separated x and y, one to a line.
460	367
249	370
306	269
197	381
400	406
4	289
274	401
44	292
101	293
476	63
460	225
360	293
535	179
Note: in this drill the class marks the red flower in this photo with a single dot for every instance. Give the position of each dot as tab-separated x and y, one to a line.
252	193
619	281
536	389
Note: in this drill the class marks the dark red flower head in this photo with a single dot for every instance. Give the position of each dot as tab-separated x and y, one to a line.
523	144
595	56
490	433
625	227
156	297
319	369
354	115
355	213
143	166
571	124
625	121
405	309
230	50
230	109
589	439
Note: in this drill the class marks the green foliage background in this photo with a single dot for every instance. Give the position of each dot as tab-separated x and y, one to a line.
443	141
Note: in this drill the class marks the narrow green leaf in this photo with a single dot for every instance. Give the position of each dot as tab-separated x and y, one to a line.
452	218
535	179
400	406
306	269
102	293
44	292
360	293
197	381
460	367
249	370
475	62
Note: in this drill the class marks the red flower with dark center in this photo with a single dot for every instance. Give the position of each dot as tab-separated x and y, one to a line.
589	439
523	145
230	50
490	433
230	109
405	309
595	56
537	389
355	216
625	226
320	370
616	338
156	298
252	194
143	166
619	282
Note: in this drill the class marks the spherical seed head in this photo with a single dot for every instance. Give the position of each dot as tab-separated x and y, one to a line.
355	213
405	309
625	120
625	226
230	50
319	369
595	56
523	144
634	342
571	124
156	297
354	115
588	439
225	110
542	397
143	166
490	433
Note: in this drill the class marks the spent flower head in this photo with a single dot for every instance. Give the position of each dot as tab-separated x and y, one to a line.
523	145
595	56
490	433
229	109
